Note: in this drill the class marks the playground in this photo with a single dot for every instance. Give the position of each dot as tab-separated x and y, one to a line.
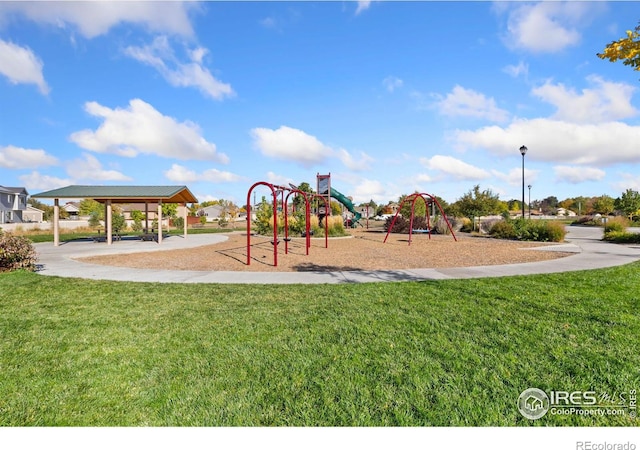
362	250
365	248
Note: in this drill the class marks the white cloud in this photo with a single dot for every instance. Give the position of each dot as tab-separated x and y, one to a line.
514	176
425	178
21	65
469	103
290	144
557	141
280	180
367	189
363	163
604	101
392	83
363	5
12	157
192	73
95	18
40	182
456	168
515	71
142	129
546	26
627	181
577	174
89	168
181	174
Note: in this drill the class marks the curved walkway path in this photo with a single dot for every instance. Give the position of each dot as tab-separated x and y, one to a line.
590	253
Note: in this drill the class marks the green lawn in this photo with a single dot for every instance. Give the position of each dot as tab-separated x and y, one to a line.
459	352
70	236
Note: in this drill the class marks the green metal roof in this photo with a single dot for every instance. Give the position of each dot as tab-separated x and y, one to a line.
123	194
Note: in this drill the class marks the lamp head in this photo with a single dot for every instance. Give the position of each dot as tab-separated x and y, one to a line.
523	150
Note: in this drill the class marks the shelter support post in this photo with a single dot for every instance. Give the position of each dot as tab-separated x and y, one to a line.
186	210
56	222
108	224
159	221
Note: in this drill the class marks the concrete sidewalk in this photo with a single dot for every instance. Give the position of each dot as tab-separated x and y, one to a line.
590	253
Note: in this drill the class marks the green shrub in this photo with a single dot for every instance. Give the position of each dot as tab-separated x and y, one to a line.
467	225
137	225
590	221
529	230
618	223
16	252
622	237
503	229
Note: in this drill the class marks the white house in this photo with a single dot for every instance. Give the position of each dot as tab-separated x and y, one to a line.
565	212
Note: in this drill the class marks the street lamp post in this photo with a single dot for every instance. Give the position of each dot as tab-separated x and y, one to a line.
523	151
529	186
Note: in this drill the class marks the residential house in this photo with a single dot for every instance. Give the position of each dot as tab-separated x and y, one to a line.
33	215
212	213
13	204
151	208
565	212
72	209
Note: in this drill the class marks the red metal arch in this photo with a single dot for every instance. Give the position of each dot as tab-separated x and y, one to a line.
413	198
307	218
275	191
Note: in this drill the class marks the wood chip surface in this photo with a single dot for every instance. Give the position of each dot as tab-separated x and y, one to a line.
363	250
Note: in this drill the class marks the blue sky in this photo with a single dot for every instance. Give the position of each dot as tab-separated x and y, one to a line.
388	97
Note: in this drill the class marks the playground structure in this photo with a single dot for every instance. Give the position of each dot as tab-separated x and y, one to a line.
428	203
279	191
325	190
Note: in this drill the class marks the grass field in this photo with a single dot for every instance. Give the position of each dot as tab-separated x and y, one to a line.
459	352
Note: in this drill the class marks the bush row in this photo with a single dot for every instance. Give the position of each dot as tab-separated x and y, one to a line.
16	252
528	230
402	225
622	237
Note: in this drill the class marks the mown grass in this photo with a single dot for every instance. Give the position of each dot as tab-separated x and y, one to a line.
71	236
460	352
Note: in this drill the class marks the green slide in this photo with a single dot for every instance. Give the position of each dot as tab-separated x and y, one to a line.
348	204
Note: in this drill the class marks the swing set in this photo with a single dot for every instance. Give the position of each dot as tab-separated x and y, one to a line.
278	194
432	201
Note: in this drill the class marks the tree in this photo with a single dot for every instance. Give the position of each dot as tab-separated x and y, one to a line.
90	207
420	206
229	211
625	49
514	205
479	203
549	205
137	217
169	209
628	203
118	223
298	200
603	205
